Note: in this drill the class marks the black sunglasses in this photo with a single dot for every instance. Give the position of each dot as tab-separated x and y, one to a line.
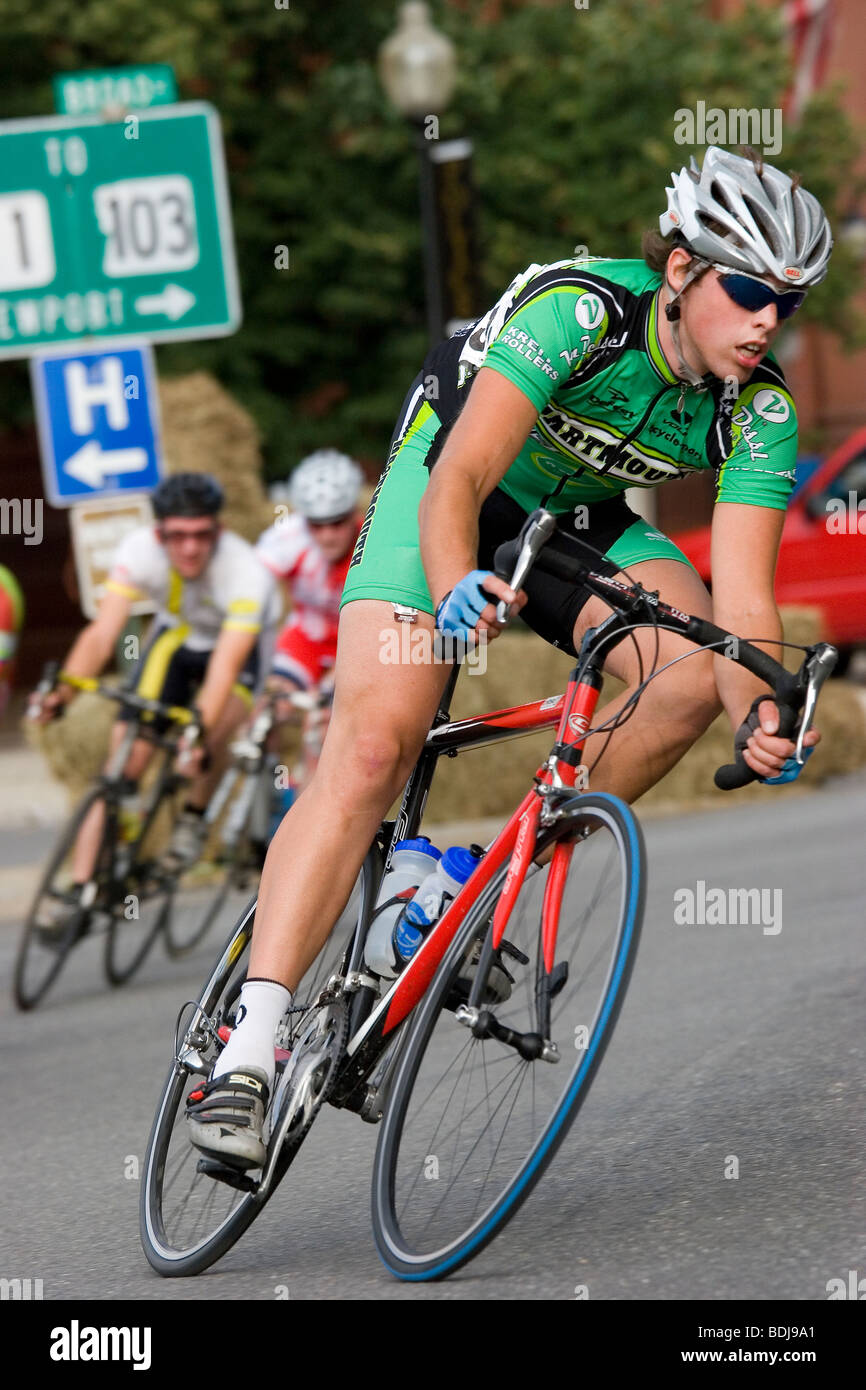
753	294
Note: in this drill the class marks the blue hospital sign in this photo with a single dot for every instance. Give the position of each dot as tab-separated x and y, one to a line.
97	424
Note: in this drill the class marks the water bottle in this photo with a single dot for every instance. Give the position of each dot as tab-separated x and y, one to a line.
410	863
131	815
438	889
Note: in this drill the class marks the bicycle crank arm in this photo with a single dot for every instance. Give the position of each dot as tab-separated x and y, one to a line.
306	1082
484	1024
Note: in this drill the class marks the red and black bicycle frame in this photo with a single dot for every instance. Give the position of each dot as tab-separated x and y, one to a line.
571	715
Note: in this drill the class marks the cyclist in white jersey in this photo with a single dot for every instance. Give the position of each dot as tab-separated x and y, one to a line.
217	609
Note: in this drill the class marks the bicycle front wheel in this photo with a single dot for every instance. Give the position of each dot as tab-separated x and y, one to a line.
188	1217
52	928
475	1119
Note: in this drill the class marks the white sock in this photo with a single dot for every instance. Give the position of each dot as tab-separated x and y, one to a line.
262	1005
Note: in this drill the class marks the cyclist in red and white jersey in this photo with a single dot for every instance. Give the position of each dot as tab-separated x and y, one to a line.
310	550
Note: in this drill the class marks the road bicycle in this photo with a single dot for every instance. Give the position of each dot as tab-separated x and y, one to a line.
129	893
477	1058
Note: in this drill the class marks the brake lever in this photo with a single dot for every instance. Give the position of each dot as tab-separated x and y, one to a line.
818	666
538	528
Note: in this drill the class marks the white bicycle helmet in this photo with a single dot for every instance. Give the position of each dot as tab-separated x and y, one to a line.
750	217
325	486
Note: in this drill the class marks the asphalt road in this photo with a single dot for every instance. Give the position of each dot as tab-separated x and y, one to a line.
734	1041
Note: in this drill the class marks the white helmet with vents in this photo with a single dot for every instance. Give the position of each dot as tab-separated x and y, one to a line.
325	485
751	217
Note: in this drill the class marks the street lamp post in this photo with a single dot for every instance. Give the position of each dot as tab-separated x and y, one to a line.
418	69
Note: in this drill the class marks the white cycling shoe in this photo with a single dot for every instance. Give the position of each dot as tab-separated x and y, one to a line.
226	1116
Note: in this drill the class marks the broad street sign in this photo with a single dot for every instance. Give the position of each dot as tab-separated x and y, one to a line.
115	230
100	89
96	415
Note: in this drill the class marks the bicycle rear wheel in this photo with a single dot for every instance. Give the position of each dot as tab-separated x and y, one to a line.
473	1123
189	1219
43	948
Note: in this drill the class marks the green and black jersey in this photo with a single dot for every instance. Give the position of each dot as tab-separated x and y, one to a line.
580	340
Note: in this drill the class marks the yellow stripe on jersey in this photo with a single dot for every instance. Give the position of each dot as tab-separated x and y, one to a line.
175	592
244	605
155	668
235	625
127	590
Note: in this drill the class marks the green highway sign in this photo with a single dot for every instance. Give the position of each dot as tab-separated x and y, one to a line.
127	89
112	230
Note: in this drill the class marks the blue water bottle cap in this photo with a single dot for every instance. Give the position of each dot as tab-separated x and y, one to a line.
459	863
422	846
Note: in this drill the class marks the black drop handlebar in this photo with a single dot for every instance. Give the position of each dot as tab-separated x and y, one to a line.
636	605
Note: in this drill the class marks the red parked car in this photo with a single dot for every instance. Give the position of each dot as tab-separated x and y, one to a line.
822	557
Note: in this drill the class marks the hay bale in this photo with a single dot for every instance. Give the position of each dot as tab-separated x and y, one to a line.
490	781
75	747
206	431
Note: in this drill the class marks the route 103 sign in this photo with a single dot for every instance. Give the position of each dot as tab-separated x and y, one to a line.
113	230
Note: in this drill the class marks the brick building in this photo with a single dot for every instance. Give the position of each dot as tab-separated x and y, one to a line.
828	39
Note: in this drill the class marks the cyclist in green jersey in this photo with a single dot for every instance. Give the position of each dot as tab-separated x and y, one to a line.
585	378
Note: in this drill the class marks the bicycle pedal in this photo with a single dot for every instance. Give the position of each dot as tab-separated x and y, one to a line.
222	1172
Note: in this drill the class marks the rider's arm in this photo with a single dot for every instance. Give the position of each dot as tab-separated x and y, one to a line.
94	646
745	543
485	440
249	605
225	665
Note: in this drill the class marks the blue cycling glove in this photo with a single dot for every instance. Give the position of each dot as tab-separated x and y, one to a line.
791	770
460	610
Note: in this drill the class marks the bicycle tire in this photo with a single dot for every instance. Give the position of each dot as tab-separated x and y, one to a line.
209	890
49	958
417	1236
169	1251
134	926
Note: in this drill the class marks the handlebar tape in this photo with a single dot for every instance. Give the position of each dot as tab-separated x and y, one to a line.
738	773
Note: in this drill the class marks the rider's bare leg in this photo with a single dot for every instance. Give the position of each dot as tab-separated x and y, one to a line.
382	712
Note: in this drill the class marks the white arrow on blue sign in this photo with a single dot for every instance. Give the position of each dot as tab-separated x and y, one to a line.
96	414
